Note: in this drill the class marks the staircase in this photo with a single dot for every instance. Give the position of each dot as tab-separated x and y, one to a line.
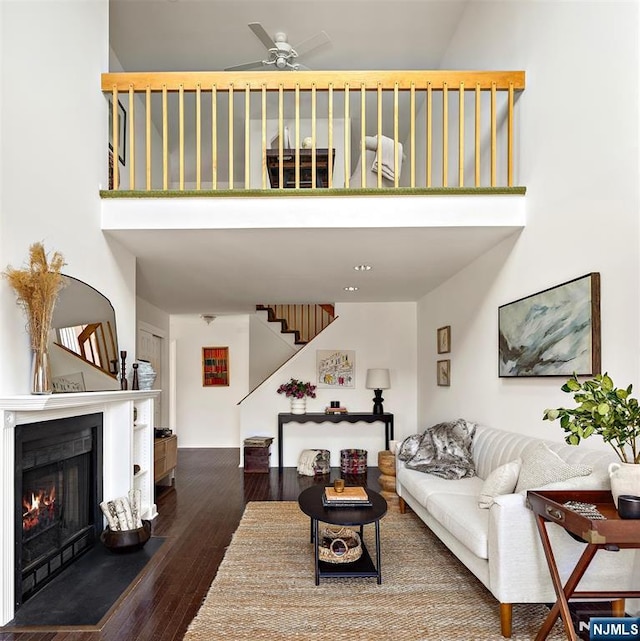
303	322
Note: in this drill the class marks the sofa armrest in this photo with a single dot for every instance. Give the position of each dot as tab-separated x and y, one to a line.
518	570
517	566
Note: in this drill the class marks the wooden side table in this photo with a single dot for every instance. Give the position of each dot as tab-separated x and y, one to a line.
387	478
612	532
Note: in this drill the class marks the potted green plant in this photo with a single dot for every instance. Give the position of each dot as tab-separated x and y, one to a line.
298	392
612	413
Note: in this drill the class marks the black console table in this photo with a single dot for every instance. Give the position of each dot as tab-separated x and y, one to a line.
321	417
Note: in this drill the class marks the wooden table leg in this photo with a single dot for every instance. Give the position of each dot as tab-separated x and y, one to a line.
561	606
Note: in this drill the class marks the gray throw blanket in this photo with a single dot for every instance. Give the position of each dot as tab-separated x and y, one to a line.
443	450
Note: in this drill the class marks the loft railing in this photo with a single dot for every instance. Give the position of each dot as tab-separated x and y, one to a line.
253	130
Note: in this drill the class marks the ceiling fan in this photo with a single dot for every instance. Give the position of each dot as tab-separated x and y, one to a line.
281	54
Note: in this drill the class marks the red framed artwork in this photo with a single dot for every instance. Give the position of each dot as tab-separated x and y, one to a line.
215	366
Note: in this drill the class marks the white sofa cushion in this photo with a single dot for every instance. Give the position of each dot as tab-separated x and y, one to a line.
541	466
502	480
461	516
421	485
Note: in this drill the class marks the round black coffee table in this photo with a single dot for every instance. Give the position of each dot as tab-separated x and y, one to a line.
310	501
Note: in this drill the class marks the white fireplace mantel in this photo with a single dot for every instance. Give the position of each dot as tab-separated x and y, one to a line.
122	441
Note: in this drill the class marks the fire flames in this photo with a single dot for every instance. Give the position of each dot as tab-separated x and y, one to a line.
40	508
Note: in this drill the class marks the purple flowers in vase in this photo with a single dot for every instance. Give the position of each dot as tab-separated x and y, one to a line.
297	389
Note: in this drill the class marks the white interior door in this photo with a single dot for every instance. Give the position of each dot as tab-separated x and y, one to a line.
150	349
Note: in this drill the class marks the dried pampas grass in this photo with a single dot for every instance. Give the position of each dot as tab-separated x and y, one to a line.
37	287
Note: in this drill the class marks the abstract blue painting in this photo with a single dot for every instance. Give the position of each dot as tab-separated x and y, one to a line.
555	332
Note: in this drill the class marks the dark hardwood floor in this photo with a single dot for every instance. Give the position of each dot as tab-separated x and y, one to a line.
198	518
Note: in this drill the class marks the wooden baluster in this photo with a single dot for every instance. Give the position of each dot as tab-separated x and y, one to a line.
461	135
280	136
477	133
314	136
412	134
181	134
347	141
379	137
231	154
445	133
214	137
429	137
330	131
115	138
494	129
132	138
510	138
363	135
198	137
297	141
264	136
396	148
165	140
148	136
247	137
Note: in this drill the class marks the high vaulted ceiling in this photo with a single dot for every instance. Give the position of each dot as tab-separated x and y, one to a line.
231	270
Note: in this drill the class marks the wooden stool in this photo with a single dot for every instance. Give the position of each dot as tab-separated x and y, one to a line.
387	478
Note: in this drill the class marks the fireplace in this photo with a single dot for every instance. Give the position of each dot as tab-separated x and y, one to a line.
58	489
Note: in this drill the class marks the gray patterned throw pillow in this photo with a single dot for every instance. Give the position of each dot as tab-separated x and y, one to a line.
445	450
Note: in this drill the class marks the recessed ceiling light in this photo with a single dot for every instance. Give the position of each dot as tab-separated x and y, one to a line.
350	288
362	268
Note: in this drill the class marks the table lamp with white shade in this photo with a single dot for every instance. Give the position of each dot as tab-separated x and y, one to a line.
377	380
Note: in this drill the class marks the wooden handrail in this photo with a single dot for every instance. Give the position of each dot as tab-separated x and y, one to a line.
249	89
225	80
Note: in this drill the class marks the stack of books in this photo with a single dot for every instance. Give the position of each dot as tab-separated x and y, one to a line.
350	497
335	410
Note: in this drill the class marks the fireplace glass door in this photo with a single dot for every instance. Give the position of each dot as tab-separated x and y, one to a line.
57	496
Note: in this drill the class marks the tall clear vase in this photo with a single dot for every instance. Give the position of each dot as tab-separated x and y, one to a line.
40	372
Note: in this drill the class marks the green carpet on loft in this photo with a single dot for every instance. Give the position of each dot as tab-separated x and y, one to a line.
84	593
310	193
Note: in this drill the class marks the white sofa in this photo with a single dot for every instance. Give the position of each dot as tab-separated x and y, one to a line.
501	545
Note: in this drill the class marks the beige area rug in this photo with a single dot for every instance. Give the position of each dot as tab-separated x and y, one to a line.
265	589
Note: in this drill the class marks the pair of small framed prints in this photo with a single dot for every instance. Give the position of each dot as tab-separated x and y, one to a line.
443	367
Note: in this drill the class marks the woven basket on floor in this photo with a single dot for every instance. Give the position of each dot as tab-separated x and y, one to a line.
339	545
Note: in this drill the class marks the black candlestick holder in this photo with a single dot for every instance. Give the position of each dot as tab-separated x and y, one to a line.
123	370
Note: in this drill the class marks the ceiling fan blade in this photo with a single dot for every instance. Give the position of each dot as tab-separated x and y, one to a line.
314	42
256	64
262	35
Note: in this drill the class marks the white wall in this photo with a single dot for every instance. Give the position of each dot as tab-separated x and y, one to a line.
209	416
580	165
53	161
382	335
268	349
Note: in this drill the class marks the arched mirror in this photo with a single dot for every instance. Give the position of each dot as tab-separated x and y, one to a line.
84	342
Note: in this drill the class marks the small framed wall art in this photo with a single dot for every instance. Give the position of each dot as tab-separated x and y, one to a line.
215	367
336	368
443	373
444	339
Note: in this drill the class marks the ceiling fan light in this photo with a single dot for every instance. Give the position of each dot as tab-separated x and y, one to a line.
281	63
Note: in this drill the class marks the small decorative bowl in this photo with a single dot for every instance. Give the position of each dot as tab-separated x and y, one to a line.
629	506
